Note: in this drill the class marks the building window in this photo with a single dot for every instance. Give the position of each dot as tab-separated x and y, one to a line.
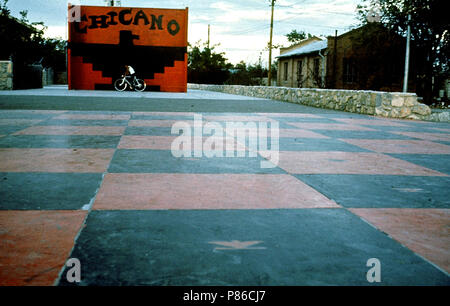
299	73
285	71
316	68
350	72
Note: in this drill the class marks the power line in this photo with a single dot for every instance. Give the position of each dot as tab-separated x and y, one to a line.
316	25
253	29
323	11
261	28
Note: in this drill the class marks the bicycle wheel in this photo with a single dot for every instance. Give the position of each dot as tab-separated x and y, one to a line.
120	85
140	85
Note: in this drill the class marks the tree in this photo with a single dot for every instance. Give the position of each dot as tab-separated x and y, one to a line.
295	37
243	74
24	42
205	66
430	34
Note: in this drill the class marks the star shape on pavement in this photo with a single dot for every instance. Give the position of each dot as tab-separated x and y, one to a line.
237	245
409	189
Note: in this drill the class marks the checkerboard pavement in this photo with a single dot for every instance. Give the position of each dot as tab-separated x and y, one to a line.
105	188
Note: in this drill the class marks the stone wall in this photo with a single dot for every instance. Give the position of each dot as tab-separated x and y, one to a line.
384	104
6	75
401	105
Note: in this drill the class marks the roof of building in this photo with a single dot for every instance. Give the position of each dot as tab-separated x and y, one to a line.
315	46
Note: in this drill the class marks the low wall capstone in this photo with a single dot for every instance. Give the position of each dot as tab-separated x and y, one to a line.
385	104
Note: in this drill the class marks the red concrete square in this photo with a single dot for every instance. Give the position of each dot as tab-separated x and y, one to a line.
426	136
73	130
400	146
92	117
301	133
35	245
288	115
329	126
441	129
237	118
348	163
161	123
226	143
19	121
55	160
374	122
283	133
206	191
424	231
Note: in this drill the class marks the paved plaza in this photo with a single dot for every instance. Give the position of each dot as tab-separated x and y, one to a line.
91	176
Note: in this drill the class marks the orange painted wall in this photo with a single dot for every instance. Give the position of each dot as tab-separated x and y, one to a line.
78	68
100	29
165	80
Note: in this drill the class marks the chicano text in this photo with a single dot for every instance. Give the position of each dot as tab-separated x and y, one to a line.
126	17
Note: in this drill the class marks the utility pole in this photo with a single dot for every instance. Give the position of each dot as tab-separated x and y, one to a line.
269	81
113	2
209	32
408	42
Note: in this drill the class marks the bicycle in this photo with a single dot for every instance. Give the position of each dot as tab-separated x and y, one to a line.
123	83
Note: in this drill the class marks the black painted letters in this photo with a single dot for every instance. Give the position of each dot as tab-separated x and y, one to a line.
126	17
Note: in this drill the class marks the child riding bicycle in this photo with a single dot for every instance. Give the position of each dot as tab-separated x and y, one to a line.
130	74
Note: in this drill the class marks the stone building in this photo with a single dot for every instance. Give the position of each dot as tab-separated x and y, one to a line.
367	58
303	65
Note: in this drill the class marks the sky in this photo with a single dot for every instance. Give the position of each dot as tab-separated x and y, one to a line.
239	28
